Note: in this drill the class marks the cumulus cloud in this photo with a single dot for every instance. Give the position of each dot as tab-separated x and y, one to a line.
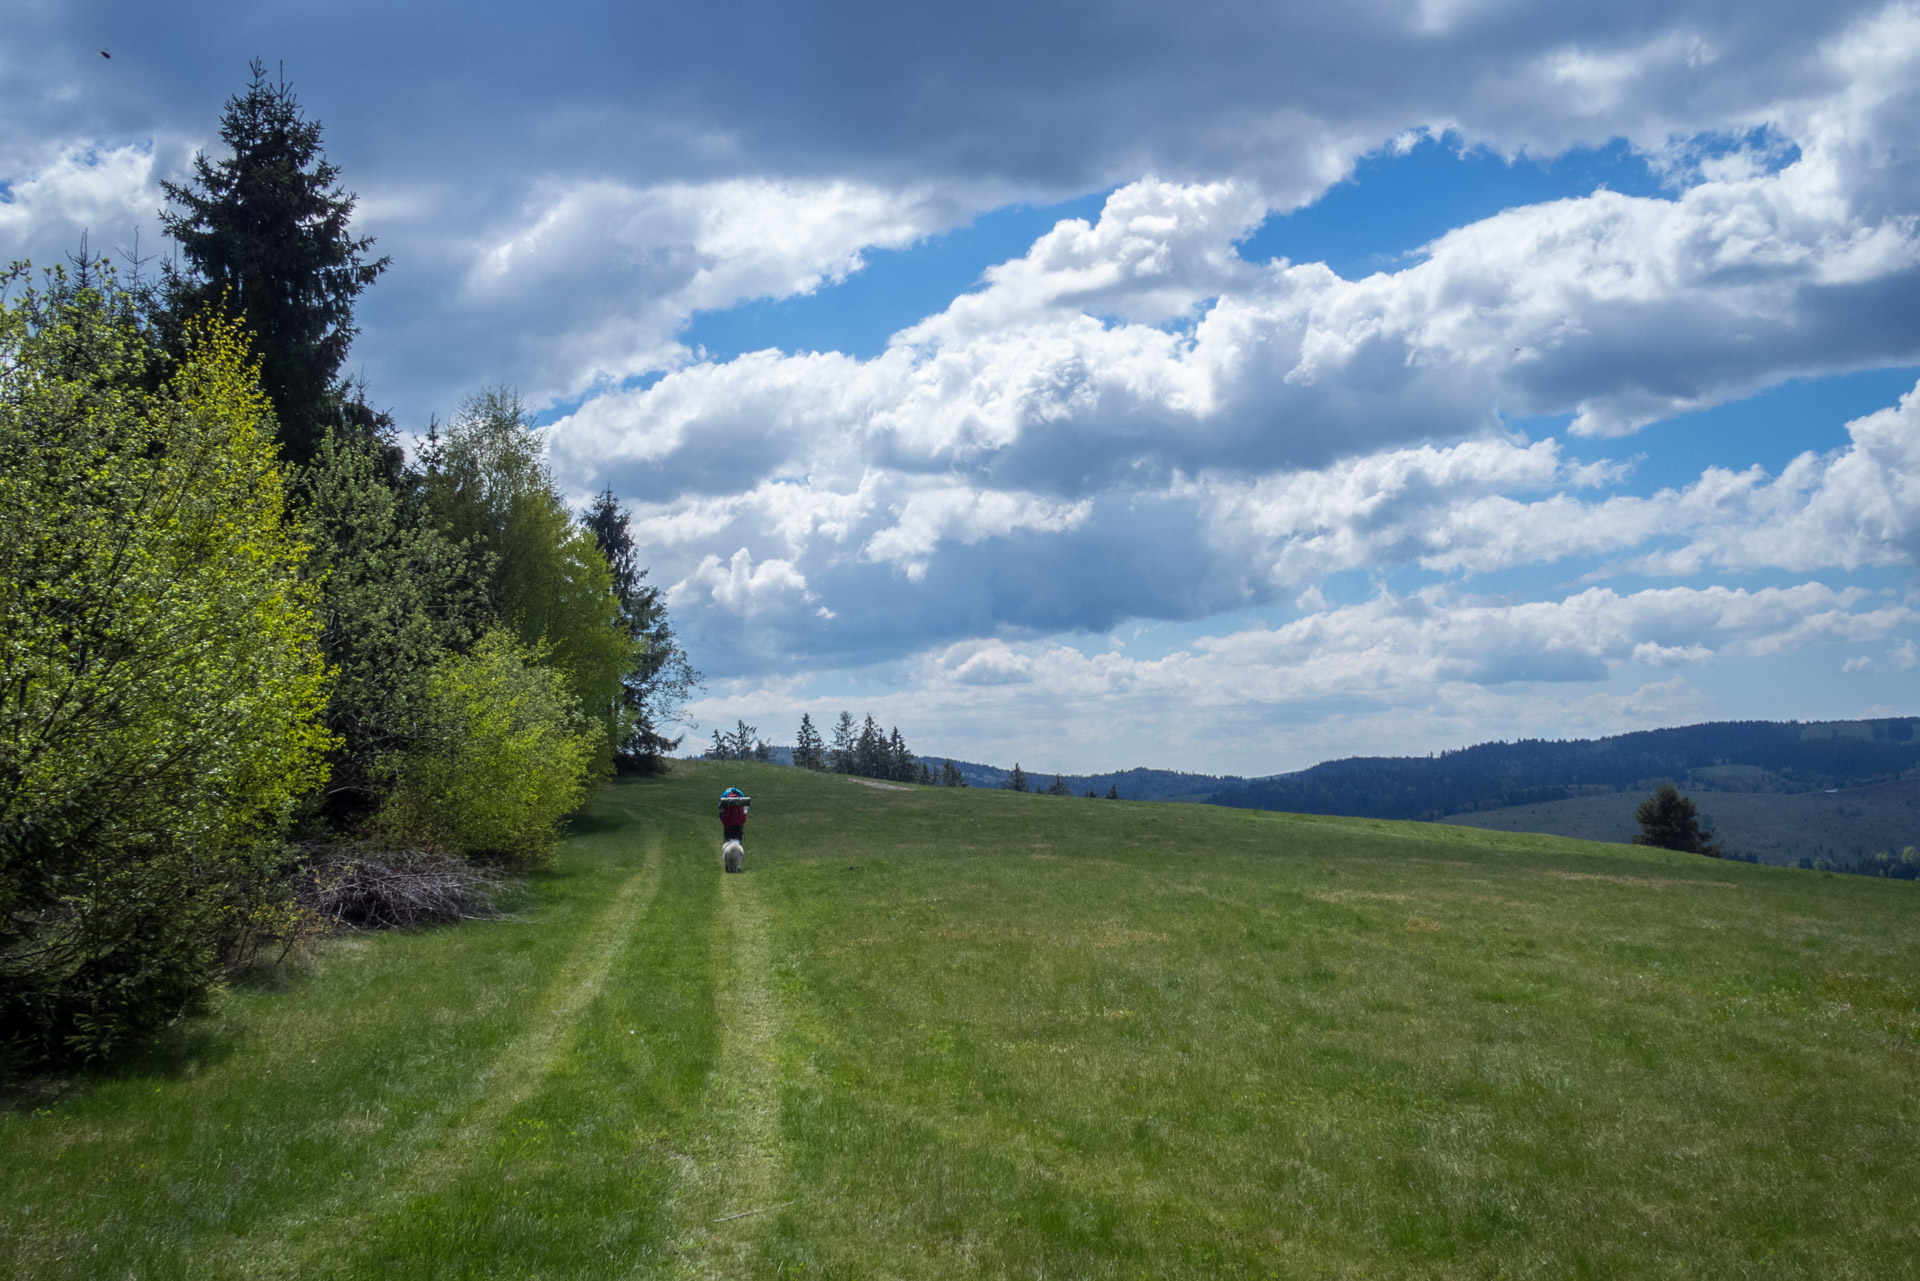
51	198
631	264
1129	420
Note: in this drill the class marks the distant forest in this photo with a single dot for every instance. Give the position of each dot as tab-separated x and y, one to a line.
1725	756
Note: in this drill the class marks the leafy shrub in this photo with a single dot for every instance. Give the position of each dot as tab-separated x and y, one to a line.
504	754
160	685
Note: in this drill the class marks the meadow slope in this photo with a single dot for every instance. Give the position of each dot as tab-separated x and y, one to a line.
939	1033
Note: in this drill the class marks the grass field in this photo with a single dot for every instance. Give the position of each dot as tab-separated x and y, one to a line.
976	1034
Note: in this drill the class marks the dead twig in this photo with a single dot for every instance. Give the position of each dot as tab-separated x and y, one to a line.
762	1210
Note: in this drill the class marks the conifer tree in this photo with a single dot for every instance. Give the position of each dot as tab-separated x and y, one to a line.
660	680
950	775
1113	791
870	751
264	233
1016	781
1058	787
1672	822
899	758
843	744
809	752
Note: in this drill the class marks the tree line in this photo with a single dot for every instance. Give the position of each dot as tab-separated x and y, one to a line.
238	624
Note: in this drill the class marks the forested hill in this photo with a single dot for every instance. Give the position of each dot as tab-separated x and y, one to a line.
1731	756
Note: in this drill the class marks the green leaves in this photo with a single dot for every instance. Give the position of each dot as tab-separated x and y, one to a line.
502	759
160	684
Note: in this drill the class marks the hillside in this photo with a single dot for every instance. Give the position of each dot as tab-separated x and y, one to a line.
1841	828
1731	756
968	1033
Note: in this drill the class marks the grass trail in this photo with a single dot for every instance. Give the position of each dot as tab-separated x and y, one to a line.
946	1034
732	1179
440	1150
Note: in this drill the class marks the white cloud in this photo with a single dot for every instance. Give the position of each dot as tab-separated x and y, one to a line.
631	264
50	198
740	587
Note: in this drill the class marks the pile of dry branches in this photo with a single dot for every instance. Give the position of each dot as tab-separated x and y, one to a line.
369	888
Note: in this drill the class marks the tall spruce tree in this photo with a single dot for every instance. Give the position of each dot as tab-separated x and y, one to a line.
870	751
1016	781
899	758
950	775
264	233
809	752
844	750
658	684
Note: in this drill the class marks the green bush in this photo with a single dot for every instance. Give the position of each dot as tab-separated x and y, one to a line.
488	487
160	684
503	756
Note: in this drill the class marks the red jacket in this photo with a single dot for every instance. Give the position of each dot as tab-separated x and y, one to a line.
733	815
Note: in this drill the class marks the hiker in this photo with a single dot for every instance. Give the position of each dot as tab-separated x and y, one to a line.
733	826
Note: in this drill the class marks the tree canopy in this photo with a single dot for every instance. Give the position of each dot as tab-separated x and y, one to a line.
264	232
1672	822
161	682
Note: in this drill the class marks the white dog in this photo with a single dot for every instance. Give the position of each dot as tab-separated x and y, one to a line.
731	855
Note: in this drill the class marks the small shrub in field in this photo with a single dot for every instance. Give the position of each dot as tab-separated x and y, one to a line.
1670	821
504	755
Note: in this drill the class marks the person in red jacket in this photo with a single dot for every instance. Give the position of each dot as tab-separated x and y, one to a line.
733	814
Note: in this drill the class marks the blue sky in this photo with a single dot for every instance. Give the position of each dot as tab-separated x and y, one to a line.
1203	386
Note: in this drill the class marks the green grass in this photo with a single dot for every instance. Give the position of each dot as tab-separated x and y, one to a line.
943	1033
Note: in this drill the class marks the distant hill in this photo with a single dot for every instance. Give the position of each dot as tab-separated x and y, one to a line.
1588	787
1767	757
1843	829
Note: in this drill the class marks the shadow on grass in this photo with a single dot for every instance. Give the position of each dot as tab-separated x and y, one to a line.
186	1049
592	822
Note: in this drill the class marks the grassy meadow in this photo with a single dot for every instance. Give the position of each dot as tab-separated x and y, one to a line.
938	1033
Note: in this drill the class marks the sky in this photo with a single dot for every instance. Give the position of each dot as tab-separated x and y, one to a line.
1222	387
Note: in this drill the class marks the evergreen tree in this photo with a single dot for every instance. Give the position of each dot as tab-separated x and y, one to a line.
395	597
1113	791
899	758
809	752
744	743
1016	781
924	776
720	748
1672	822
264	234
870	751
843	744
1090	795
950	775
1058	787
658	684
